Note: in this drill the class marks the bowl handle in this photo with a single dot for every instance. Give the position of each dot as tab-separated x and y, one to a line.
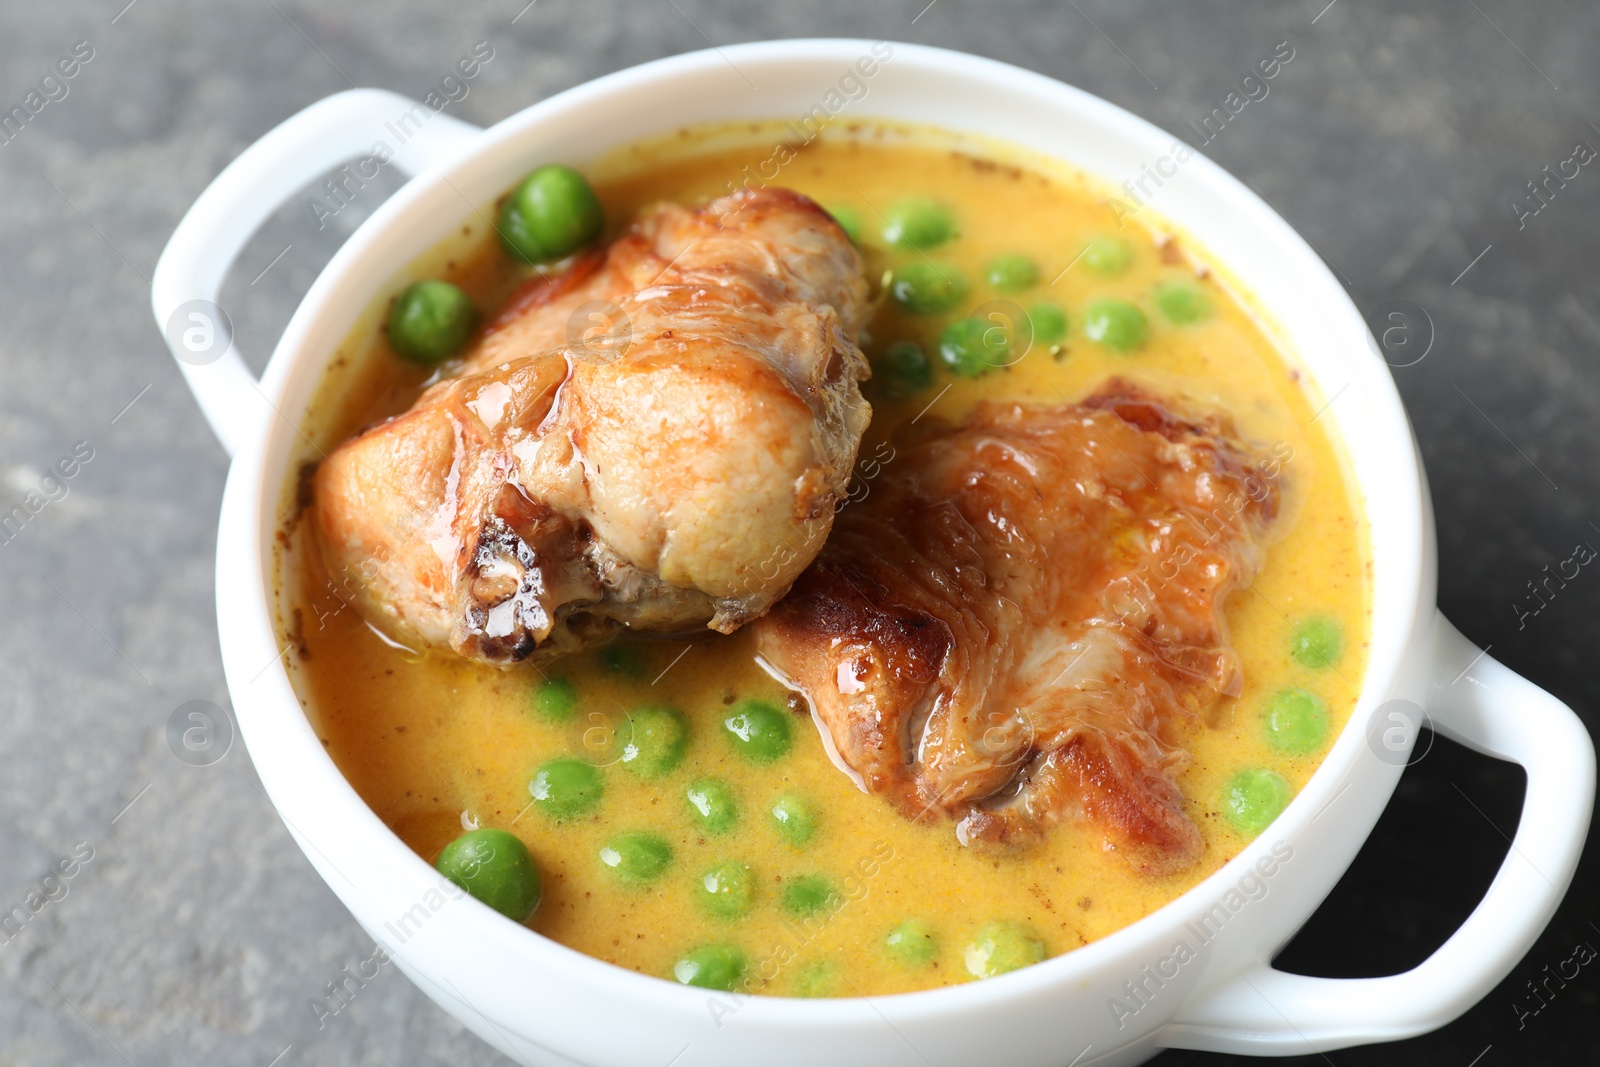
1264	1011
189	275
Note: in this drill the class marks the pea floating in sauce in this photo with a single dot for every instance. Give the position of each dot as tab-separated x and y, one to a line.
1049	322
657	740
912	943
1296	721
1181	303
637	858
974	347
1012	273
712	806
917	222
1107	256
819	978
759	732
795	819
566	787
727	890
1001	947
1317	642
711	967
1253	798
554	699
849	220
1116	324
905	368
495	868
430	321
927	288
624	661
551	213
807	895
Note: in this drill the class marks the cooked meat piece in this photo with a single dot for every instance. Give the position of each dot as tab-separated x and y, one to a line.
675	471
1018	621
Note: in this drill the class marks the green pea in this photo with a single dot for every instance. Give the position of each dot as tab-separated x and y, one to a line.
493	866
1317	642
566	787
430	321
551	213
712	806
973	347
554	699
917	222
727	890
928	288
623	660
657	740
759	731
807	895
1116	324
795	819
819	978
1107	256
711	967
1296	721
905	368
1049	322
912	943
637	858
1182	303
1253	798
849	220
1012	273
1001	947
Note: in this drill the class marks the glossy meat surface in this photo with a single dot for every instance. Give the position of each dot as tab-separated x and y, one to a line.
1021	618
655	438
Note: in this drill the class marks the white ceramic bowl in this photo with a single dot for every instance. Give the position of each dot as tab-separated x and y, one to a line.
546	1004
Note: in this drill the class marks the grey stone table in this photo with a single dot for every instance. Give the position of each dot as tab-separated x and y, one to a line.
192	931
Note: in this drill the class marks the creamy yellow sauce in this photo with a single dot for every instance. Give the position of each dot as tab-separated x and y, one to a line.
435	743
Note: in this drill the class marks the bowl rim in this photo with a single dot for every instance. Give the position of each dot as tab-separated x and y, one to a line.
297	770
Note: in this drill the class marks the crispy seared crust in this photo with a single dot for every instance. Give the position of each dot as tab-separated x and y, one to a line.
1019	621
677	472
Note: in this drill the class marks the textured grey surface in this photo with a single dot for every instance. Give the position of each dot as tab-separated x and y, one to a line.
1396	141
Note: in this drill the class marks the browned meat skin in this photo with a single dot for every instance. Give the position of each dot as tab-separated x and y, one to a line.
1018	621
678	472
